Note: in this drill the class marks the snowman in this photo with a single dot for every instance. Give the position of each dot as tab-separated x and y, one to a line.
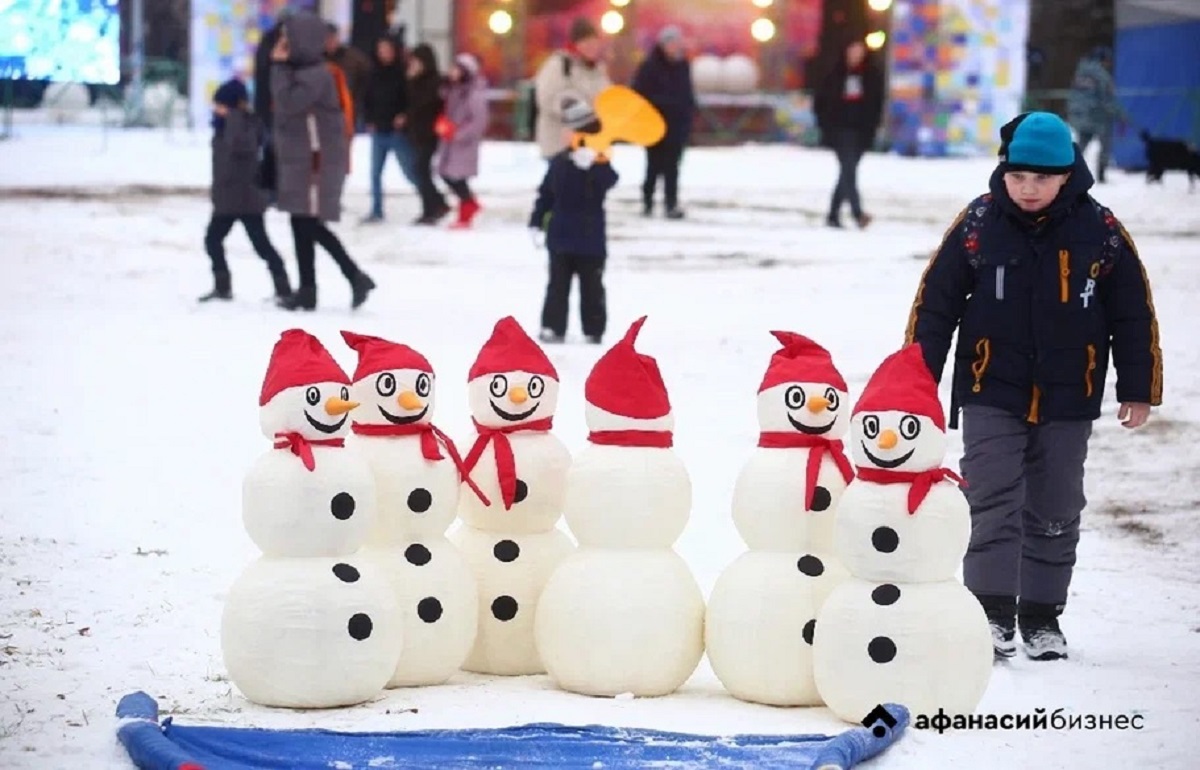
310	624
902	629
417	472
623	614
763	608
518	471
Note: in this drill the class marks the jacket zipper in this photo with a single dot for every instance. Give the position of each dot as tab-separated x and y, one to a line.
1064	275
1087	377
983	351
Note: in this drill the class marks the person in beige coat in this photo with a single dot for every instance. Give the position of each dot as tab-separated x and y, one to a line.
576	71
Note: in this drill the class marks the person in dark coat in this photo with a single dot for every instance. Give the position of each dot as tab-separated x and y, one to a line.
262	99
665	79
384	105
849	106
424	106
236	197
1042	284
312	146
570	210
355	64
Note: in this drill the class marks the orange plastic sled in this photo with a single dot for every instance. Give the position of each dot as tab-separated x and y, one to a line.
624	116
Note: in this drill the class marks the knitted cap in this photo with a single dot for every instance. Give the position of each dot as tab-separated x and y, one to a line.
1040	142
577	113
231	93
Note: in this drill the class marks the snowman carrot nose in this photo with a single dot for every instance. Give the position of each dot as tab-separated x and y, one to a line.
409	400
335	406
817	403
888	439
518	395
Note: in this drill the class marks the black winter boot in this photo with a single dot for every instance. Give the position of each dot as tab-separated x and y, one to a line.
222	288
1001	613
305	298
1043	638
361	285
283	288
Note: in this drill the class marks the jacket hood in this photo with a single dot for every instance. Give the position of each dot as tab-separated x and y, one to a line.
306	38
1077	187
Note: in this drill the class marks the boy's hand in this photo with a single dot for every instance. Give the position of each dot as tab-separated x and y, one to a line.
1133	415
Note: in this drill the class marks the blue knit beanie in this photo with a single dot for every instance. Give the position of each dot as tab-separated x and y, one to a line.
231	93
1037	141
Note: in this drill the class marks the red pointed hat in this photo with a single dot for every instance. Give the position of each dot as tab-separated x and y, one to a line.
377	355
800	360
627	383
510	349
299	359
903	383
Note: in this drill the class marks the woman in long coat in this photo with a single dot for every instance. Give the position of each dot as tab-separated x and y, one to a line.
462	131
312	144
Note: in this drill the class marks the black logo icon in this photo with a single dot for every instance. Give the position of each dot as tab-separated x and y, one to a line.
879	714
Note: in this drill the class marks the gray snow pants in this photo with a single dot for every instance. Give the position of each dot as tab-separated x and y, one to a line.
1025	487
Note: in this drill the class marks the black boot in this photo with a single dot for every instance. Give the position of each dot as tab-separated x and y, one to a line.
305	298
283	288
1043	638
361	285
1001	613
222	288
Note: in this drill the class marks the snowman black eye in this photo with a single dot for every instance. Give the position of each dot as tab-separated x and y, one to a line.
312	396
909	427
345	394
499	385
537	386
424	385
793	397
832	397
385	384
870	426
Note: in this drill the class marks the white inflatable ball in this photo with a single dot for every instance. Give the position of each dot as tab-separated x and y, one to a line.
289	510
706	73
926	646
415	497
310	633
739	74
439	606
768	501
761	621
621	621
510	572
627	497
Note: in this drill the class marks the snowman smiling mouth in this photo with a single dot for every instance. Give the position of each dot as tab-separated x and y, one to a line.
324	428
887	464
511	416
811	430
396	419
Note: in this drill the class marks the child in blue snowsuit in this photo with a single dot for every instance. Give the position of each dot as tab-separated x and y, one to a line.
1043	284
570	209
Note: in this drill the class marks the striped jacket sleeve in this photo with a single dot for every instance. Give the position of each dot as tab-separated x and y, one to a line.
1134	327
941	298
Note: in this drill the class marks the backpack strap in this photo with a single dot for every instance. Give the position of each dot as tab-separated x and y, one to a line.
1114	235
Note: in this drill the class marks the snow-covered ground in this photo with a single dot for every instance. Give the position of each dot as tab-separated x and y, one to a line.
132	417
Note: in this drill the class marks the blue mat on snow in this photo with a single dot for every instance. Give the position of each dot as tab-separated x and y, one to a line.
169	746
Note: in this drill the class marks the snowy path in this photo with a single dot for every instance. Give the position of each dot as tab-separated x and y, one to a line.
132	417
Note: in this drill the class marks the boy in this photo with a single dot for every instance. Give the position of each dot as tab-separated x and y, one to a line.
236	196
570	208
1041	281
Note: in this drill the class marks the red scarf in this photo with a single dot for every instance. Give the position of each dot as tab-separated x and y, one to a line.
921	481
302	447
506	463
817	446
661	439
430	437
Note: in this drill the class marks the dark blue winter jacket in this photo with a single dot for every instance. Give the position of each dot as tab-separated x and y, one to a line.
1039	302
667	84
570	207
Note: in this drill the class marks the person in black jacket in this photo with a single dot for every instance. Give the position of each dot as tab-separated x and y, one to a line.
236	197
262	99
384	105
424	106
665	79
570	210
1042	283
848	106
